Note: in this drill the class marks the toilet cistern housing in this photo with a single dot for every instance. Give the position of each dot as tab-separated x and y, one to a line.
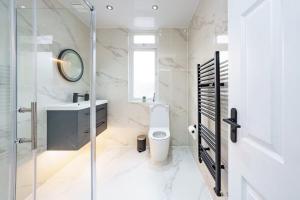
159	115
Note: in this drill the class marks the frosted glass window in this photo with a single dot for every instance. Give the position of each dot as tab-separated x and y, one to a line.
144	39
143	74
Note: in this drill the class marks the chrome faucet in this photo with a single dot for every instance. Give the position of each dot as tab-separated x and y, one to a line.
76	95
153	99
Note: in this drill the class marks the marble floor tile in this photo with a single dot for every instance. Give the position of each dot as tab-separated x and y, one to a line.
125	174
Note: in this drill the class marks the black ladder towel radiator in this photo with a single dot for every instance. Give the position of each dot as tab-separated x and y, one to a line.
209	107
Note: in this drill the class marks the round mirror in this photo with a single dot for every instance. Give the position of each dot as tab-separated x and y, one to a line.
70	65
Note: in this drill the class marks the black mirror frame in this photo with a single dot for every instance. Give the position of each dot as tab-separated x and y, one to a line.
60	66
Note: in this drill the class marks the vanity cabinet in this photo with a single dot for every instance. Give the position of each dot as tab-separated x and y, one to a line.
70	129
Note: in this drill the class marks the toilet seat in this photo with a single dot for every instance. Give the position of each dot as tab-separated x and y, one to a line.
159	133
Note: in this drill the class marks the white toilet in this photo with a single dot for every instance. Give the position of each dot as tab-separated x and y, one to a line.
159	132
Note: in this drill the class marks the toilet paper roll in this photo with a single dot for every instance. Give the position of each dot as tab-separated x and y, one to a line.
192	130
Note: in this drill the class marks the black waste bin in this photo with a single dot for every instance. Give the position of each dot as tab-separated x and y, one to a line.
141	143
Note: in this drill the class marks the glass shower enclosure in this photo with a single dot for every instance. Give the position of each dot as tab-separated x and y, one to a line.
33	32
6	131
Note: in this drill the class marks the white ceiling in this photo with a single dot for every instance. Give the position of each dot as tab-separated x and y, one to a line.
138	14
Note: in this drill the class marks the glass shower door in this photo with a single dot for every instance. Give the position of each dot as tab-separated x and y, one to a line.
40	173
6	133
26	99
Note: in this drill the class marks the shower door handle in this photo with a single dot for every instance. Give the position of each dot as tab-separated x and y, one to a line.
33	139
233	123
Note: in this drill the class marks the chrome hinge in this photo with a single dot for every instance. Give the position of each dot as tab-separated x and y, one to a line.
24	110
23	140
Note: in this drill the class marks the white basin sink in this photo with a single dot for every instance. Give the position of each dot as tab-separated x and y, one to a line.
75	106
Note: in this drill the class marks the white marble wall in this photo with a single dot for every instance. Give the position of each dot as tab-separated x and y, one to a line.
127	120
173	88
209	21
67	31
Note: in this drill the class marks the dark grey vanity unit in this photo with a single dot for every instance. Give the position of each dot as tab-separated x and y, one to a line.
70	129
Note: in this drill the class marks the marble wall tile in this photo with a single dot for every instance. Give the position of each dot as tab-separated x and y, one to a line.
173	80
52	88
127	120
209	21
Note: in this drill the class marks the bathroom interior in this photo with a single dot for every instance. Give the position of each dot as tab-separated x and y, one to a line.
176	44
103	101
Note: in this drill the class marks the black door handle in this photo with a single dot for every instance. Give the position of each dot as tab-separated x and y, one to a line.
234	125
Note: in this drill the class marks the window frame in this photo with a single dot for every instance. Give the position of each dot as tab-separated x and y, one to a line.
141	47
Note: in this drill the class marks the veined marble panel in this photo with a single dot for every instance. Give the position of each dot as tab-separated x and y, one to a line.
126	120
173	80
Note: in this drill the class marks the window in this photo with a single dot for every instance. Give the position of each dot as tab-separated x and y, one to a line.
142	67
144	39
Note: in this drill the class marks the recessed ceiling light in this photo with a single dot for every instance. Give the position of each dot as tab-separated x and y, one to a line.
109	7
22	6
155	7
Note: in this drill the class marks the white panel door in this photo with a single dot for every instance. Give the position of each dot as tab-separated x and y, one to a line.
264	87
